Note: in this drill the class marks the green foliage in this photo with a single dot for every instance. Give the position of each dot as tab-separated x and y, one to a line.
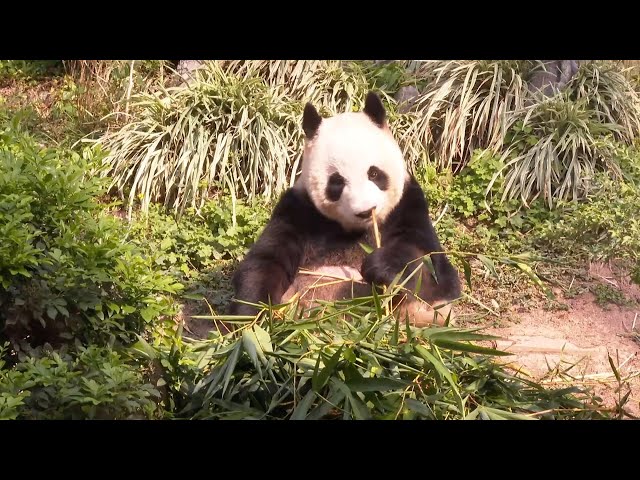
468	195
556	145
610	96
175	364
65	106
436	185
473	198
51	111
64	268
389	77
606	294
98	90
348	361
334	86
29	69
67	100
465	105
551	147
200	249
200	240
88	383
604	227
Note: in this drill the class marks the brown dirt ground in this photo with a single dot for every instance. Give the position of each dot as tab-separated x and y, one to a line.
547	343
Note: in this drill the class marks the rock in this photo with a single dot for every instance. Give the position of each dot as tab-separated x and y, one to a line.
552	76
185	69
406	98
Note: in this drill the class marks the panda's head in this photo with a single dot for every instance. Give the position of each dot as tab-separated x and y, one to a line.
352	164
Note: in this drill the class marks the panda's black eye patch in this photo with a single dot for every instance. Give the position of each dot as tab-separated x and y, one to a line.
335	185
378	177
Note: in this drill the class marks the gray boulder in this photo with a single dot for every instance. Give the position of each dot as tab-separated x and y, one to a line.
552	76
406	97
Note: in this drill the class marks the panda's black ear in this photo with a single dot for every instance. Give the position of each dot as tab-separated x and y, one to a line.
374	109
311	121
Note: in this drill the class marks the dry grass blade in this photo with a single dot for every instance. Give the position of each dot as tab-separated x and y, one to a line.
466	105
610	95
221	132
554	152
376	232
235	128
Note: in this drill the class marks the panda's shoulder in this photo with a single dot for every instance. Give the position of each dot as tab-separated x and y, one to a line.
296	209
294	202
413	196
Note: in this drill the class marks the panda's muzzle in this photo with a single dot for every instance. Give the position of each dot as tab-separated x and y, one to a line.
366	214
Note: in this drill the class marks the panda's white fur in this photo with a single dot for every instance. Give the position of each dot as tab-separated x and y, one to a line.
350	143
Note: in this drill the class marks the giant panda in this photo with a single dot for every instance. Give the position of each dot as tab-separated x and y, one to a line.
351	165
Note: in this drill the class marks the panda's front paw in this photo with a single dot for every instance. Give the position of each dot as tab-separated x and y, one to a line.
377	267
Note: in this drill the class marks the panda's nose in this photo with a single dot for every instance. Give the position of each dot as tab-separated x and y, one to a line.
366	214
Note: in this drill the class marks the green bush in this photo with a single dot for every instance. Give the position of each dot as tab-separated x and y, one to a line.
555	151
29	69
604	227
88	383
473	198
64	267
465	105
610	96
550	146
200	240
332	85
222	133
201	249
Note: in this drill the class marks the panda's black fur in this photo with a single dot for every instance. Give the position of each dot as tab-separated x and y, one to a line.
298	236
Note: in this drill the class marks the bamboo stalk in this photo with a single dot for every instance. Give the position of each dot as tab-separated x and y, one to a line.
376	233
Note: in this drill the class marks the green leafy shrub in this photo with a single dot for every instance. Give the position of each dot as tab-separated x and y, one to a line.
202	240
201	249
604	227
332	85
29	69
390	77
474	197
468	195
550	146
64	267
610	96
86	383
222	132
